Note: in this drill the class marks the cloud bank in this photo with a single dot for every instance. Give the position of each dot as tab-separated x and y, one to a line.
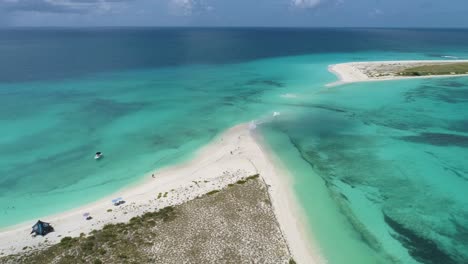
189	7
59	6
305	3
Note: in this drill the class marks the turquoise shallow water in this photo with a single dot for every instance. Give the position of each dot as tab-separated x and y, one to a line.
137	127
380	168
392	158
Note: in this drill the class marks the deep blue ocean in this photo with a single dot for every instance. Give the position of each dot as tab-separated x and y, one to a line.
380	168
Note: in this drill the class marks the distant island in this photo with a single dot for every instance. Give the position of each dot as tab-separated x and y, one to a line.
394	70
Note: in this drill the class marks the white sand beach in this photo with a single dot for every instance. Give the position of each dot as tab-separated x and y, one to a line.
234	155
382	70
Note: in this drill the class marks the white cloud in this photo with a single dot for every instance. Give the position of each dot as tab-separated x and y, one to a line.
376	12
183	7
61	6
189	7
305	3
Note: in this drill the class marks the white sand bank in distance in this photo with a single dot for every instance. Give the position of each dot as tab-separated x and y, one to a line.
230	157
382	70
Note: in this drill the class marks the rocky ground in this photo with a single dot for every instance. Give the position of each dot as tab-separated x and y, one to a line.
233	225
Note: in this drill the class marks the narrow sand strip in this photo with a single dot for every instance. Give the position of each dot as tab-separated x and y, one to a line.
232	156
382	70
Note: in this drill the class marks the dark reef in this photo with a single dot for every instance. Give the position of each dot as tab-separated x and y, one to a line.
420	248
265	82
438	139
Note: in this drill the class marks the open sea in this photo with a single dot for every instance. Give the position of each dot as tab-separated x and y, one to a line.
380	168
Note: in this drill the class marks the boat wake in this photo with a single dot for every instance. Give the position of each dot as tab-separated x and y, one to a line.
254	123
289	95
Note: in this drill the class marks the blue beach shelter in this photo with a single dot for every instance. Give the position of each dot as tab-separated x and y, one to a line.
42	228
118	201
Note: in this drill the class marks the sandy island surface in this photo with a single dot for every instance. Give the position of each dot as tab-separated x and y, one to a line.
232	156
382	70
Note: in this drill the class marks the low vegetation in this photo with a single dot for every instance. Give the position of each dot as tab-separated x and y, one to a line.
437	69
253	177
212	192
112	243
233	225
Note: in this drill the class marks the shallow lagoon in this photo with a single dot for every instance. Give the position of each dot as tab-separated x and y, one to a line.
378	167
392	156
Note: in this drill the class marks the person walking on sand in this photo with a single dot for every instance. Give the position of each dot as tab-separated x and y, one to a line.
152	175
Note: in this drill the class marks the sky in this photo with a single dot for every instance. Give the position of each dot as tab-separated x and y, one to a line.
237	13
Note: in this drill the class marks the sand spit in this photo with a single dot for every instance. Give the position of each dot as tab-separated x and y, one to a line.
382	70
231	157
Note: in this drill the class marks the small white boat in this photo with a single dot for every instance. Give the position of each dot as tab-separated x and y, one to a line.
98	155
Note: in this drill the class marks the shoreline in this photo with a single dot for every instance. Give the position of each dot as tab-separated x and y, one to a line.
352	72
233	155
305	249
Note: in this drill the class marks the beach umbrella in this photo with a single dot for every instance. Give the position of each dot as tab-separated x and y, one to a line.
117	200
87	216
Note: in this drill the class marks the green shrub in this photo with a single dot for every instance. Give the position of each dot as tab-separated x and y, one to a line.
87	246
212	192
252	177
68	242
135	220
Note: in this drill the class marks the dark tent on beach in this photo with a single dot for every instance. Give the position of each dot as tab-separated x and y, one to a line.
42	228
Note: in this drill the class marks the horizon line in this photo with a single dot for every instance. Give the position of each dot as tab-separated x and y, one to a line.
224	27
